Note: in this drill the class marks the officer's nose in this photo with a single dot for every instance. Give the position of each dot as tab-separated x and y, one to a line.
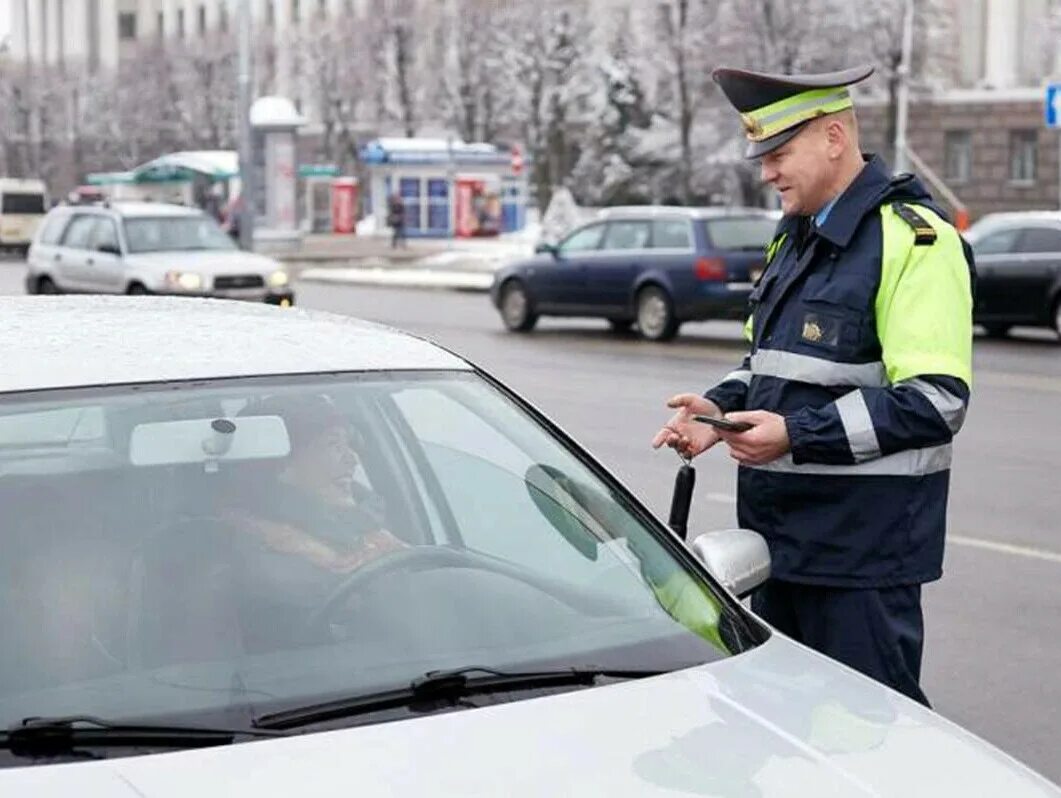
767	172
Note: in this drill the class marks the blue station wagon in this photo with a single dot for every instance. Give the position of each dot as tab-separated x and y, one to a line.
653	266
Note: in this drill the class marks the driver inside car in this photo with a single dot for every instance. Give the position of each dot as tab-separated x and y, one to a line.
308	524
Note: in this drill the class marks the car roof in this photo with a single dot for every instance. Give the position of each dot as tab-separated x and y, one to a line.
683	212
133	209
1020	217
69	341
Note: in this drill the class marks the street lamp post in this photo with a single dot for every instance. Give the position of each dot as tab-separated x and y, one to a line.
904	88
247	208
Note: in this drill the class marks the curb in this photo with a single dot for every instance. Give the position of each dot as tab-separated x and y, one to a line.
402	278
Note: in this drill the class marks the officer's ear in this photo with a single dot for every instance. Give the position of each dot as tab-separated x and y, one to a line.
837	137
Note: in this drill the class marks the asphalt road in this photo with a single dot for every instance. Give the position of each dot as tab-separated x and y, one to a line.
993	653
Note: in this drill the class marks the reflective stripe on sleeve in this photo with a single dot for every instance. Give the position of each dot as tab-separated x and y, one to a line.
740	375
951	408
858	426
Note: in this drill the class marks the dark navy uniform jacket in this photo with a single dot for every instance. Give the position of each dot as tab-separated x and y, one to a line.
861	337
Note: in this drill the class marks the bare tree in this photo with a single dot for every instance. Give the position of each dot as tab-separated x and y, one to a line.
473	79
880	25
688	28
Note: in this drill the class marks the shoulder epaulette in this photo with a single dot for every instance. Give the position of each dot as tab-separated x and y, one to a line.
924	234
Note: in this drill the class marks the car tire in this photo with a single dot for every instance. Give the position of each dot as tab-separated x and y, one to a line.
620	325
45	285
1057	317
655	314
517	311
137	289
997	330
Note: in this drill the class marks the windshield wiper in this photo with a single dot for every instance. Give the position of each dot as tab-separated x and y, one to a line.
444	689
50	735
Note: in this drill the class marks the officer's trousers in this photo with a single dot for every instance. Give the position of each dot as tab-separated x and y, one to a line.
879	632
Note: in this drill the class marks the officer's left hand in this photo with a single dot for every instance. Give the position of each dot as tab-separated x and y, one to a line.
763	443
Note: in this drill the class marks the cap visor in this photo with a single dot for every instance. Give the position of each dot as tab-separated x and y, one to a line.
757	149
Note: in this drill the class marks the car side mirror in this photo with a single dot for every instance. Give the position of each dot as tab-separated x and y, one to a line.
109	249
544	247
738	558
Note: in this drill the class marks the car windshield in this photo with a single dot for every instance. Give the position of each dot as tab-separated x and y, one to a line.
174	234
750	232
212	551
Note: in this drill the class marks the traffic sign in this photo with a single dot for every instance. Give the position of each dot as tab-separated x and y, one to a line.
1053	105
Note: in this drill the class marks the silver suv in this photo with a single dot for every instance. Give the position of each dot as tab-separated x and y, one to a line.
147	248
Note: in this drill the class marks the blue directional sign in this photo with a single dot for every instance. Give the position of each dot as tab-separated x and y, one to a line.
1053	105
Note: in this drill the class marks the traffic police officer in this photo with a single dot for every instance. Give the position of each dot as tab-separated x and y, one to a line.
857	380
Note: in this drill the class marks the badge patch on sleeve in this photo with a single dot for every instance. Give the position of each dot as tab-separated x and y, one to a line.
821	330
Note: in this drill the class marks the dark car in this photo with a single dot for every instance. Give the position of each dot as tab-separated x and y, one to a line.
653	266
1018	263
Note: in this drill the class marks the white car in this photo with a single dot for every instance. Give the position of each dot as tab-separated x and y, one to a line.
147	248
287	553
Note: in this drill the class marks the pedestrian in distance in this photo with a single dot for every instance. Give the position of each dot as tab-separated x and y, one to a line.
396	220
857	379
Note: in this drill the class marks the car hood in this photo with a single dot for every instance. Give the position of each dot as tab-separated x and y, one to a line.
776	721
206	262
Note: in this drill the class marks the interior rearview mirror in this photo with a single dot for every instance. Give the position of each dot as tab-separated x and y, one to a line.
738	558
209	440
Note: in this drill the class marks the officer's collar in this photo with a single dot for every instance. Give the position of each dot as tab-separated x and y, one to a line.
861	196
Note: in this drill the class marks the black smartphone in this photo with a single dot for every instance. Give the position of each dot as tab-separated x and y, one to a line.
726	424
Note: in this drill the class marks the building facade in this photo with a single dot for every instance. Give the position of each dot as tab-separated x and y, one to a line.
98	33
984	135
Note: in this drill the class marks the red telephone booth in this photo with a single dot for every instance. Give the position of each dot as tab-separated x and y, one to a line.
344	205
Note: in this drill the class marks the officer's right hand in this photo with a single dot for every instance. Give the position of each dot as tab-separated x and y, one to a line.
689	438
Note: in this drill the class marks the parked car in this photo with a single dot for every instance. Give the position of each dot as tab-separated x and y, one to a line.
279	552
1018	263
148	248
653	266
22	207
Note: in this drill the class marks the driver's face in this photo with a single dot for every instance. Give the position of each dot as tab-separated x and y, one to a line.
327	463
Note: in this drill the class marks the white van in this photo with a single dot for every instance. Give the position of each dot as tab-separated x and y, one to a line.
22	207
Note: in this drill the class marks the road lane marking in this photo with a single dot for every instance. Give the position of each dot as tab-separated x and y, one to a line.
1006	548
961	540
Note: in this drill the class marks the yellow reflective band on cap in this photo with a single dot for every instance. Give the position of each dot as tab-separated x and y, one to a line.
762	123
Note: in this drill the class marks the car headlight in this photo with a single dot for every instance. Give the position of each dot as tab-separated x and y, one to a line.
187	281
278	279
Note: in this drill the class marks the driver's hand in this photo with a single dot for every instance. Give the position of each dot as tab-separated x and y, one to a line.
373	546
687	437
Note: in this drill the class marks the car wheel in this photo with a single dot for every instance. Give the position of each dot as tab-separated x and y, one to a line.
45	285
619	325
1057	317
997	330
516	310
655	314
137	289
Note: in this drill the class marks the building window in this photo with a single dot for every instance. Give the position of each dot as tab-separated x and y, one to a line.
180	23
1022	148
127	26
322	8
222	18
270	13
295	10
957	156
202	20
160	21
